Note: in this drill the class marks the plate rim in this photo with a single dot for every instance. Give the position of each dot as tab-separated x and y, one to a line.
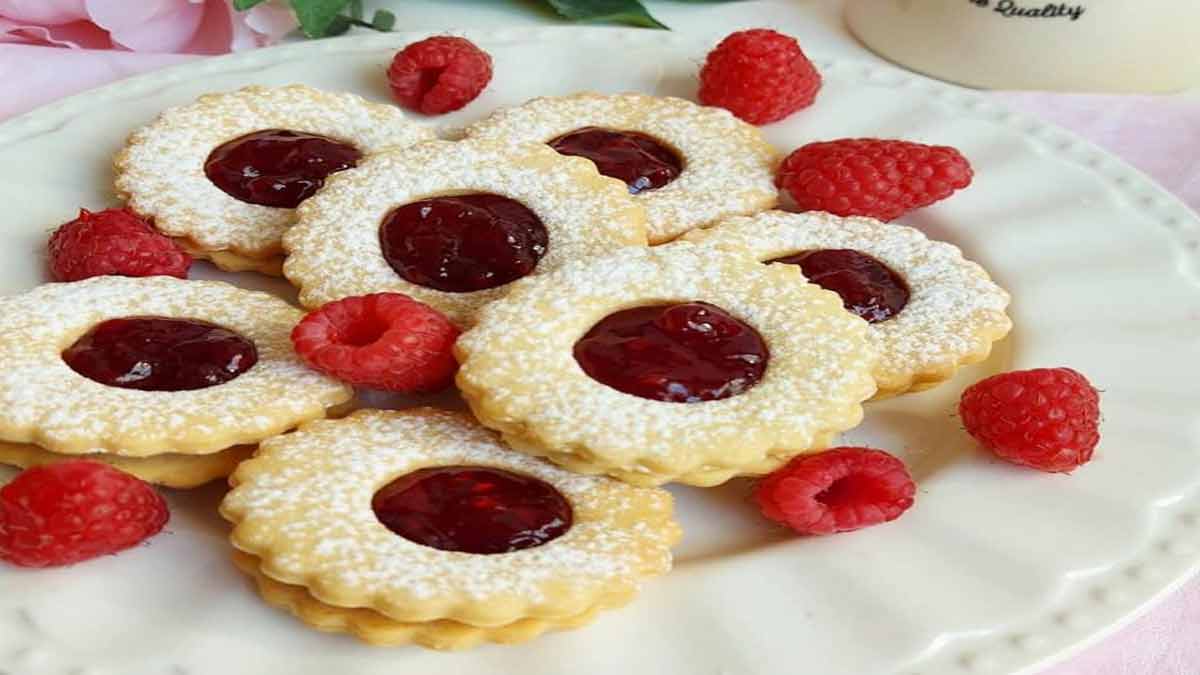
989	653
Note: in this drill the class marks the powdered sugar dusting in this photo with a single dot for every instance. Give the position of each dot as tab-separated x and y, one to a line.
43	401
954	310
304	506
335	250
520	376
161	171
728	166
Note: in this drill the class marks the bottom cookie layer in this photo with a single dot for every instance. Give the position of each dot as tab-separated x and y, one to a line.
175	471
233	262
704	476
376	629
928	379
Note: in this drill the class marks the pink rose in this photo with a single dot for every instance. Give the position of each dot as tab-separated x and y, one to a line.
170	26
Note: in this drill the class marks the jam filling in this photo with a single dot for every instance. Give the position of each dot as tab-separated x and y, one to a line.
154	353
463	243
639	160
683	353
277	167
869	288
472	509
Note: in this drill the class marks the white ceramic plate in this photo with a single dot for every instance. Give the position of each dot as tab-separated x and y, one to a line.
995	569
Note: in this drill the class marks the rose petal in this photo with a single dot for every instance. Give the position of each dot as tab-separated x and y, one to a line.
30	35
149	25
272	20
242	35
217	30
43	12
77	35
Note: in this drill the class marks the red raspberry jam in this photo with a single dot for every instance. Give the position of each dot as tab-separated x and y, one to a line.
155	353
472	509
684	353
639	160
463	243
277	167
868	287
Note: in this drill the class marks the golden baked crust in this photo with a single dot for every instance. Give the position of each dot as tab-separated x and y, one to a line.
954	312
169	470
334	251
46	403
376	629
519	374
160	172
702	476
729	168
303	507
232	262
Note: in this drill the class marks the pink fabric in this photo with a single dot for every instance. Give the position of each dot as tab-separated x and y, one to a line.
1160	135
1165	641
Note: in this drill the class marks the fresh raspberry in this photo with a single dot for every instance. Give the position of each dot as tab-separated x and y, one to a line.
439	74
65	513
1046	418
113	241
379	341
872	177
837	490
759	75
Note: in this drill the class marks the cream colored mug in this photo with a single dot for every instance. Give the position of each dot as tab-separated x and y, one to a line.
1082	45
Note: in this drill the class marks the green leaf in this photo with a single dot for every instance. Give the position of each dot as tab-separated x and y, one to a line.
243	5
383	20
356	10
316	17
338	26
616	11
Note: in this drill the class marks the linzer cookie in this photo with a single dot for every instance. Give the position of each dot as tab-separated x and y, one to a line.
453	224
676	363
420	526
152	371
223	175
929	309
688	165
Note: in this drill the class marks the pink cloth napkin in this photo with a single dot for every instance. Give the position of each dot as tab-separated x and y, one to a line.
1159	135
